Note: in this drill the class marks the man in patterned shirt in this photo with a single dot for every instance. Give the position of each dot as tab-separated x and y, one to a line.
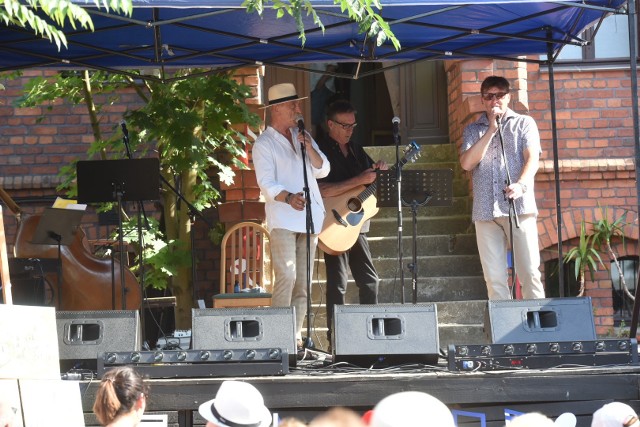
481	153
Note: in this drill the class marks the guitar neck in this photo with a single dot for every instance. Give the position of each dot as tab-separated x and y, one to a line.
371	189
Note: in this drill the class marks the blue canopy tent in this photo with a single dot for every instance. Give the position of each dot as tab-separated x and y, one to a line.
220	34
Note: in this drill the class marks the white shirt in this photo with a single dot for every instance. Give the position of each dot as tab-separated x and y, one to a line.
278	168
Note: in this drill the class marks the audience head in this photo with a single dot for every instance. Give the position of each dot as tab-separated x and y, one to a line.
411	409
533	419
291	422
236	403
122	394
338	417
615	414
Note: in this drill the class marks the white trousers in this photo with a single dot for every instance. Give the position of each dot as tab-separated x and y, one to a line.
289	258
494	243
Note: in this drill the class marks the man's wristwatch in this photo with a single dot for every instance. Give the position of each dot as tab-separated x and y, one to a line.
287	199
523	186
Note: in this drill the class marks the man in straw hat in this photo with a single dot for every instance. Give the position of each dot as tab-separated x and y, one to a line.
277	157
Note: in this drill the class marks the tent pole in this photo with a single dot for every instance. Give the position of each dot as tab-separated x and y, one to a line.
633	61
556	165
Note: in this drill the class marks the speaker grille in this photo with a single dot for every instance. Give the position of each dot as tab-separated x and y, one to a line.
540	320
244	328
401	333
84	334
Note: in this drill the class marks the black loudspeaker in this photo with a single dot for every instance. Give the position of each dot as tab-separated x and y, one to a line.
244	329
539	320
82	335
367	334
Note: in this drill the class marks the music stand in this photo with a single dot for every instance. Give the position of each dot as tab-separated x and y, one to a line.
57	227
101	181
420	187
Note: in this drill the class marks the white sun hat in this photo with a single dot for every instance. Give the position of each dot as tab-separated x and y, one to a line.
237	404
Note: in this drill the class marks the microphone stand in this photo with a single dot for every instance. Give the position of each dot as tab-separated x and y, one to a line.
141	213
396	140
308	343
193	212
513	216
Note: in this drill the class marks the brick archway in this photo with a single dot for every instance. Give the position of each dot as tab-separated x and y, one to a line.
572	219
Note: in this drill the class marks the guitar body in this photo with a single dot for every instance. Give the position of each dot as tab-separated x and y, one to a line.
345	215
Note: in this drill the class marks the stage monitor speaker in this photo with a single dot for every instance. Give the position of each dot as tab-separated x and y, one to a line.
539	320
244	328
82	335
385	333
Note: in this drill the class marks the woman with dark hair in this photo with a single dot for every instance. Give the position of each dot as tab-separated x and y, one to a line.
121	398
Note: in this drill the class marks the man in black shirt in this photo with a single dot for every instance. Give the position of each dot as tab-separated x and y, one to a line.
351	167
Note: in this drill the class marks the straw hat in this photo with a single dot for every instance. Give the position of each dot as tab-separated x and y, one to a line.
237	404
282	92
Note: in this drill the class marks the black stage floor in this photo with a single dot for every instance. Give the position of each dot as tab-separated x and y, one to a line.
314	386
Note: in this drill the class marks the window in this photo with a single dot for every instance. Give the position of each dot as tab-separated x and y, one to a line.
552	284
611	42
622	304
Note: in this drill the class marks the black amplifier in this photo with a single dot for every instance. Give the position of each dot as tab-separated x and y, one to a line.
199	363
542	355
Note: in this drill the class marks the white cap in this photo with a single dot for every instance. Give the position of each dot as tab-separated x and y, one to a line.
614	414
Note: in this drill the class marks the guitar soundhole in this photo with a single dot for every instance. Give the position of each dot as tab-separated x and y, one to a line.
354	205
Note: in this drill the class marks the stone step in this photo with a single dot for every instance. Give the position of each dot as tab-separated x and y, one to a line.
455	224
436	266
429	154
430	289
450	244
460	206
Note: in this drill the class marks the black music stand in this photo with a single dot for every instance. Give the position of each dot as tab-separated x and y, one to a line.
101	181
419	188
57	227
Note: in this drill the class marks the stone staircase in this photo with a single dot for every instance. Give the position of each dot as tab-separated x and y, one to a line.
448	266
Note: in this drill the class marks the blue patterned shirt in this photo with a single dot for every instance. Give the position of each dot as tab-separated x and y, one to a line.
519	132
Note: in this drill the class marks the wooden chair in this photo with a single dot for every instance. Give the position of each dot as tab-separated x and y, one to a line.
245	265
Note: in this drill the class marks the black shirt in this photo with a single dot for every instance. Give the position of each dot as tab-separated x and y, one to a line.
343	168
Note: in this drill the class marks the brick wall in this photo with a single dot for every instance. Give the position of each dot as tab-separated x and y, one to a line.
595	151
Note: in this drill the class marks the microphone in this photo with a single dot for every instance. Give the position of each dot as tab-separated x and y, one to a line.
395	121
300	121
496	112
72	376
125	131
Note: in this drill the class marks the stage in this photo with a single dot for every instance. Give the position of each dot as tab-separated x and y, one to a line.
311	387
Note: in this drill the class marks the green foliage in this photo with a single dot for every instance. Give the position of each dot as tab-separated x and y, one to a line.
363	12
585	257
604	230
58	14
190	122
162	258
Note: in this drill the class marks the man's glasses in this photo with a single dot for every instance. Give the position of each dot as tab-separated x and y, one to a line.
346	126
490	96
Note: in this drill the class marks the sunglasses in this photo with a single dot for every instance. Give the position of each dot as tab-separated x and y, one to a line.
490	96
346	126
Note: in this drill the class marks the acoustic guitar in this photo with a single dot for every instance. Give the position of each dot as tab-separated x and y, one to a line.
347	212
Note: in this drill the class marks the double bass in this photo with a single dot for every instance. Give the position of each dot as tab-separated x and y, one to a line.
88	282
